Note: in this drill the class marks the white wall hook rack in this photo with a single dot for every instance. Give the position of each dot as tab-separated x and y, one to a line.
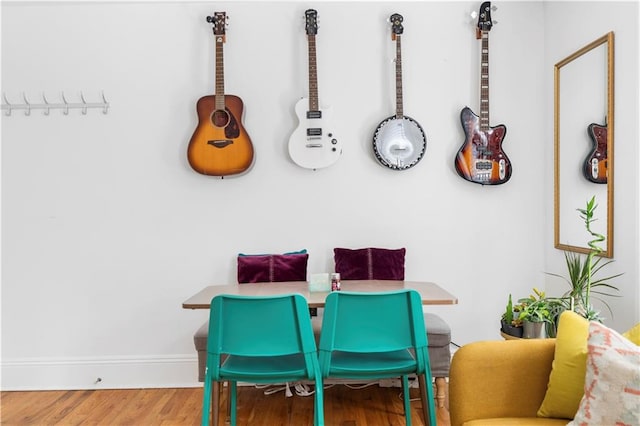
47	106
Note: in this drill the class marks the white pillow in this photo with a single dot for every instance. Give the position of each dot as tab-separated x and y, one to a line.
612	381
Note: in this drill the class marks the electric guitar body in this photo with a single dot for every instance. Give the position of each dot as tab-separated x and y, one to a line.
220	145
481	158
312	144
595	165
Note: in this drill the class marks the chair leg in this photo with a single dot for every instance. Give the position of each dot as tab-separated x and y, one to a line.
215	402
441	384
407	399
318	416
234	403
428	413
206	400
228	416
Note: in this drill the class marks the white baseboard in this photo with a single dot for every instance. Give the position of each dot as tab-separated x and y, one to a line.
160	371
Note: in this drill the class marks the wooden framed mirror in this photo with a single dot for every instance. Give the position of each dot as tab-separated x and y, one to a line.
583	138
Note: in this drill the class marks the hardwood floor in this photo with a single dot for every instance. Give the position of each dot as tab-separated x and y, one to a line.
372	405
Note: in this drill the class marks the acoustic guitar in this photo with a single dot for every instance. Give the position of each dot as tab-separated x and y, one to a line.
220	145
481	158
312	144
399	142
595	165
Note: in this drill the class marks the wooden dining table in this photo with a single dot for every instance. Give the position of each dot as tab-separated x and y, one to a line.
430	293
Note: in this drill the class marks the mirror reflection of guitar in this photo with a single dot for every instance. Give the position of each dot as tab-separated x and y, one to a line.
312	145
595	165
399	142
220	145
481	159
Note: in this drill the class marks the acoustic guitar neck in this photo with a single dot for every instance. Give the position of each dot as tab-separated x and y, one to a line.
219	91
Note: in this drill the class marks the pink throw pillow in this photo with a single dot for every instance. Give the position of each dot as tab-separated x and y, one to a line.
612	381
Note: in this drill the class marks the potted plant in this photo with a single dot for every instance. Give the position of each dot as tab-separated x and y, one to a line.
535	315
510	322
583	284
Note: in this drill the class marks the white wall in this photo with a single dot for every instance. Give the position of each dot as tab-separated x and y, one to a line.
106	229
569	26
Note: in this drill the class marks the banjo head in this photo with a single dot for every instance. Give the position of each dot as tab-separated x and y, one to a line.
399	143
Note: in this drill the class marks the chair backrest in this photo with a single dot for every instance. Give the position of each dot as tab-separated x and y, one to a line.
374	322
260	326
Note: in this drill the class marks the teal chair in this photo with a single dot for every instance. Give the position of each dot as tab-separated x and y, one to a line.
376	336
259	340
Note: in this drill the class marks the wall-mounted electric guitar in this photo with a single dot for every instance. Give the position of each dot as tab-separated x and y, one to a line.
312	144
399	142
481	159
220	145
595	165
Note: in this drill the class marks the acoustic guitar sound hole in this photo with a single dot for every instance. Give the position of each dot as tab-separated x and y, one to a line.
220	118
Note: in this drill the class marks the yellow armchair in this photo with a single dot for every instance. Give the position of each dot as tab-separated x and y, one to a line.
501	383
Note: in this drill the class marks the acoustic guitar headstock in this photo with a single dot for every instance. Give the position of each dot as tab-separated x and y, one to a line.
219	21
396	25
311	21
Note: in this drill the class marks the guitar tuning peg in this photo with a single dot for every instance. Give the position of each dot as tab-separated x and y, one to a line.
494	22
494	8
473	14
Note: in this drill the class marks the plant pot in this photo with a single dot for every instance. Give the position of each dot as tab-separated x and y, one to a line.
534	330
511	330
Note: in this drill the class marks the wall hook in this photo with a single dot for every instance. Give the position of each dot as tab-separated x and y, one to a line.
105	110
27	110
84	104
47	109
7	103
47	105
66	104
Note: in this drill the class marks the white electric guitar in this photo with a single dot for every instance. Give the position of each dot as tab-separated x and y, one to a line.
313	145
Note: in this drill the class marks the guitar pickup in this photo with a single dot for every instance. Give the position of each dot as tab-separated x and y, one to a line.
484	150
314	114
315	131
594	168
484	165
220	143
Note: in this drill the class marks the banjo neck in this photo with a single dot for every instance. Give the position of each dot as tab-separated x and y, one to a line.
399	107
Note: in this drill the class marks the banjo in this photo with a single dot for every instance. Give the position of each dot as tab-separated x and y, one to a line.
399	142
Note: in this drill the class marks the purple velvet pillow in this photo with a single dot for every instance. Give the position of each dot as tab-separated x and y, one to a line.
369	263
272	267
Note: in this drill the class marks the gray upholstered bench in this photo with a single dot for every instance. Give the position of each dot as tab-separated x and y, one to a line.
438	336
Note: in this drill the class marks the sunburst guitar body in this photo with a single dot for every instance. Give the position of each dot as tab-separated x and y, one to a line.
481	158
595	165
220	145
